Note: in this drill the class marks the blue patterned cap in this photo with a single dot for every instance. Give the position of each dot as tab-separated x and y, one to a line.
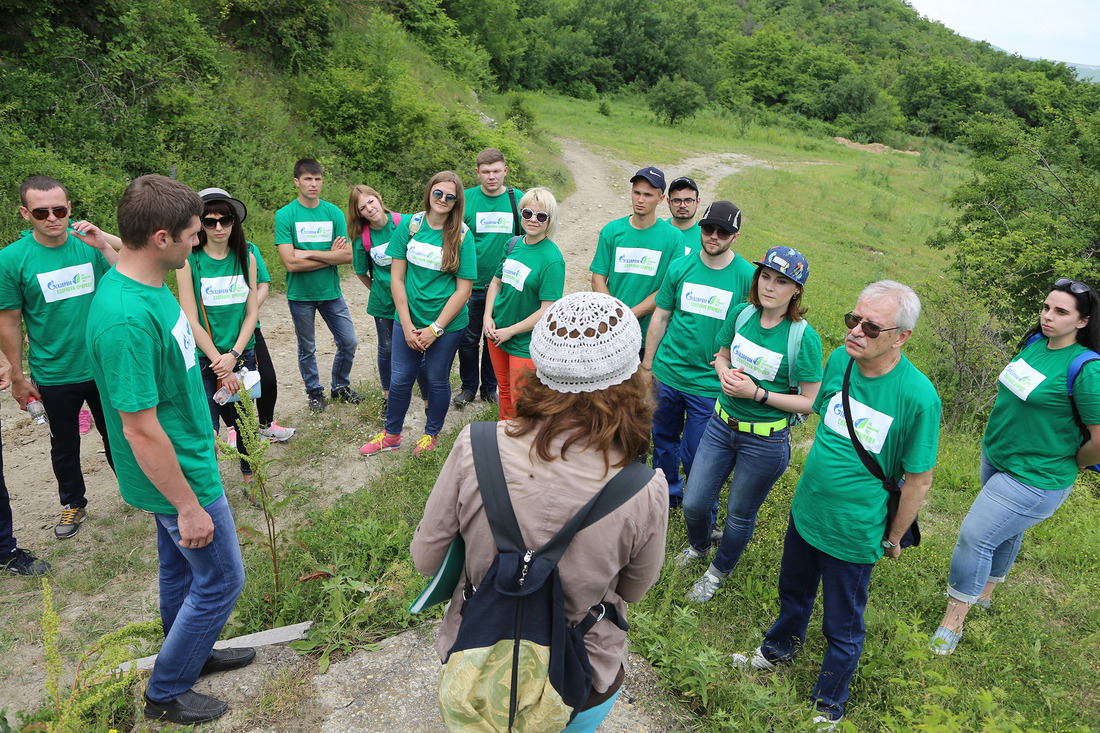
788	262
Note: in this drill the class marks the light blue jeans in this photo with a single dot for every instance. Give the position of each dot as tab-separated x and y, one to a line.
198	590
303	313
993	529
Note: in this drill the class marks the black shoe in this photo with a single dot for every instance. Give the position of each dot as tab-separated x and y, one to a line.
190	707
223	660
490	397
346	394
317	401
22	562
463	398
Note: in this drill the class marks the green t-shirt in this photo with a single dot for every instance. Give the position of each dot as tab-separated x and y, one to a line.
490	219
692	239
54	287
380	302
634	261
700	299
528	276
313	229
762	353
838	506
221	296
428	287
1031	433
142	354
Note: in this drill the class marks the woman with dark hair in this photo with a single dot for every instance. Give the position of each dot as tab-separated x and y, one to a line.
748	433
217	291
583	414
1036	440
433	265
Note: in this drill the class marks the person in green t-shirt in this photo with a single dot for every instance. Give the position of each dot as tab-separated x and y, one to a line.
531	277
217	289
432	269
683	202
698	292
370	228
838	529
1037	439
47	280
142	354
768	368
309	234
634	252
492	214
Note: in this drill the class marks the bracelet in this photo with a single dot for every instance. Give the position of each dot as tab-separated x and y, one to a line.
755	393
435	328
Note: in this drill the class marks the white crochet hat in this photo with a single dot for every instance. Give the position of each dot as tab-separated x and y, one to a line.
586	342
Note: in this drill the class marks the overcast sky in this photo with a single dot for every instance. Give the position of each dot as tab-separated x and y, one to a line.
1058	30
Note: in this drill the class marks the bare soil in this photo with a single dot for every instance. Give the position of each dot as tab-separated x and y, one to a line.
93	599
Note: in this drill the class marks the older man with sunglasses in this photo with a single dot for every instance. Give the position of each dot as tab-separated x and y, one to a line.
47	279
838	527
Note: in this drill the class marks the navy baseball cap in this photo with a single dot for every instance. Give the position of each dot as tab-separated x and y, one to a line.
653	176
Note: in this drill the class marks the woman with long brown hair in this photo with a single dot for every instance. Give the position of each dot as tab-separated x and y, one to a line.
583	414
433	265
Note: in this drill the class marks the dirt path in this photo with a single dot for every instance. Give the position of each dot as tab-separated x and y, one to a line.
103	603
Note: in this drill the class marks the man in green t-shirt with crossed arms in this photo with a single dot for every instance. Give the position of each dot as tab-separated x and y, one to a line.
142	353
47	279
837	529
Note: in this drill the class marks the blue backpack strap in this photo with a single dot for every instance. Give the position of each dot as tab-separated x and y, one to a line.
1032	339
794	345
744	316
1075	368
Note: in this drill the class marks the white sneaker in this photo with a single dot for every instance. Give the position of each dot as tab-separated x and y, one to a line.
688	556
277	432
757	661
704	588
824	724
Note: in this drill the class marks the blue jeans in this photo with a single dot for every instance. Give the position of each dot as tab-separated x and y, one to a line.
759	462
436	364
384	326
338	319
676	438
198	589
843	598
993	529
468	349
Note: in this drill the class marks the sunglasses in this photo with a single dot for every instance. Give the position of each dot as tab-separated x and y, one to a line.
212	221
713	231
58	211
448	197
870	330
1074	286
540	216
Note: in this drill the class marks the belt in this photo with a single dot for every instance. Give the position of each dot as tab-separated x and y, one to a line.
756	428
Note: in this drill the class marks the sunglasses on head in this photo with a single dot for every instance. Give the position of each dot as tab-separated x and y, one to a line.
540	216
212	221
870	330
448	197
713	231
1074	286
58	211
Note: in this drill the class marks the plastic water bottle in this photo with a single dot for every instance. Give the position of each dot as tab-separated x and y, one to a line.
37	410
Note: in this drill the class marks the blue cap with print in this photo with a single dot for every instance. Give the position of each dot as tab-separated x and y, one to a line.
788	262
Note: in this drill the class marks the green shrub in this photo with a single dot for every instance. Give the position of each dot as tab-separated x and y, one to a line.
673	100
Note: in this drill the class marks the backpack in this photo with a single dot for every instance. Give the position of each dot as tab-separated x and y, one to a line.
794	345
516	664
418	219
1071	376
396	219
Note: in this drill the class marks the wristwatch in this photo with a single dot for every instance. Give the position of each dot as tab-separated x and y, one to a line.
235	354
435	329
887	544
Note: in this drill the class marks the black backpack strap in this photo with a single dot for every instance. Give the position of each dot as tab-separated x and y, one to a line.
517	228
616	492
599	612
512	244
494	489
869	462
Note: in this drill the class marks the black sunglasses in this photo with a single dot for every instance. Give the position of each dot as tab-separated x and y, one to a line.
712	231
870	330
540	216
212	221
448	197
58	211
1074	286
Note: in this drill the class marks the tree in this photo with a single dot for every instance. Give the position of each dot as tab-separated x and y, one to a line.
674	99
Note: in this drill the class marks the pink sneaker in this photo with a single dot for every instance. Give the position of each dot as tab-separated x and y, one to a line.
85	420
381	443
425	444
277	433
231	436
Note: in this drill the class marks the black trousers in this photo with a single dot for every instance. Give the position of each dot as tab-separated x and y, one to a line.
63	403
269	383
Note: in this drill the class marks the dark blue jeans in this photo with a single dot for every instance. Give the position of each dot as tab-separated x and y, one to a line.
468	349
406	363
843	598
63	403
756	462
384	326
678	423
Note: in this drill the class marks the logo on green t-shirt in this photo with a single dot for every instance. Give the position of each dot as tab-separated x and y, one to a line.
68	282
424	255
637	261
1021	378
224	290
706	301
872	426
